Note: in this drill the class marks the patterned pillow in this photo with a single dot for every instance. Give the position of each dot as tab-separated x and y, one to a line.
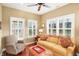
65	42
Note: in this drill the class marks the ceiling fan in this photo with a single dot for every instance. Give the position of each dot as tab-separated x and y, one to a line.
39	5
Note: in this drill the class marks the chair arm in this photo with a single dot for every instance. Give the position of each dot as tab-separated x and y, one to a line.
70	50
20	47
11	49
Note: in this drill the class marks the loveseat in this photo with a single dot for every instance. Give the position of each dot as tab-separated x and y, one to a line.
53	43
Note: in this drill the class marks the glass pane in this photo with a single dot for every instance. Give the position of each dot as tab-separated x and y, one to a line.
15	32
68	24
33	31
68	32
49	31
20	33
33	26
14	25
49	25
30	32
54	24
60	25
30	24
54	31
20	24
60	32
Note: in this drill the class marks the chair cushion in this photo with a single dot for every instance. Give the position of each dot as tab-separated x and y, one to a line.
19	47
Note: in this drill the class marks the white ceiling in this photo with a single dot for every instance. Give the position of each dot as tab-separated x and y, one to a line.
23	7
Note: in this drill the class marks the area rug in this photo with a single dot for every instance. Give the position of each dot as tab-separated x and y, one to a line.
24	53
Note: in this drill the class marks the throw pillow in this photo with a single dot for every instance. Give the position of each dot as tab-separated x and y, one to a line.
65	42
53	39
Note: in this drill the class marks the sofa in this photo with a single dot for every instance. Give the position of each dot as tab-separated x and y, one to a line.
53	43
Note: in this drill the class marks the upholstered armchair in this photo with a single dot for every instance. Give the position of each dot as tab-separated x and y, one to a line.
11	44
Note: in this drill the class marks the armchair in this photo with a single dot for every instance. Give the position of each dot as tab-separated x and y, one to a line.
11	44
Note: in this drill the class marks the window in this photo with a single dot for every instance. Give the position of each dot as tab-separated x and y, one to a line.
61	26
17	27
32	28
52	27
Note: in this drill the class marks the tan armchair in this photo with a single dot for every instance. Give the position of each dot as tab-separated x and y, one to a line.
11	44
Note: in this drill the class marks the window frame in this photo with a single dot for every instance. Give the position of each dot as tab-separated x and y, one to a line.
17	19
34	22
64	17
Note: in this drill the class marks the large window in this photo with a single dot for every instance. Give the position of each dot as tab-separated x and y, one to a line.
61	26
17	27
32	28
